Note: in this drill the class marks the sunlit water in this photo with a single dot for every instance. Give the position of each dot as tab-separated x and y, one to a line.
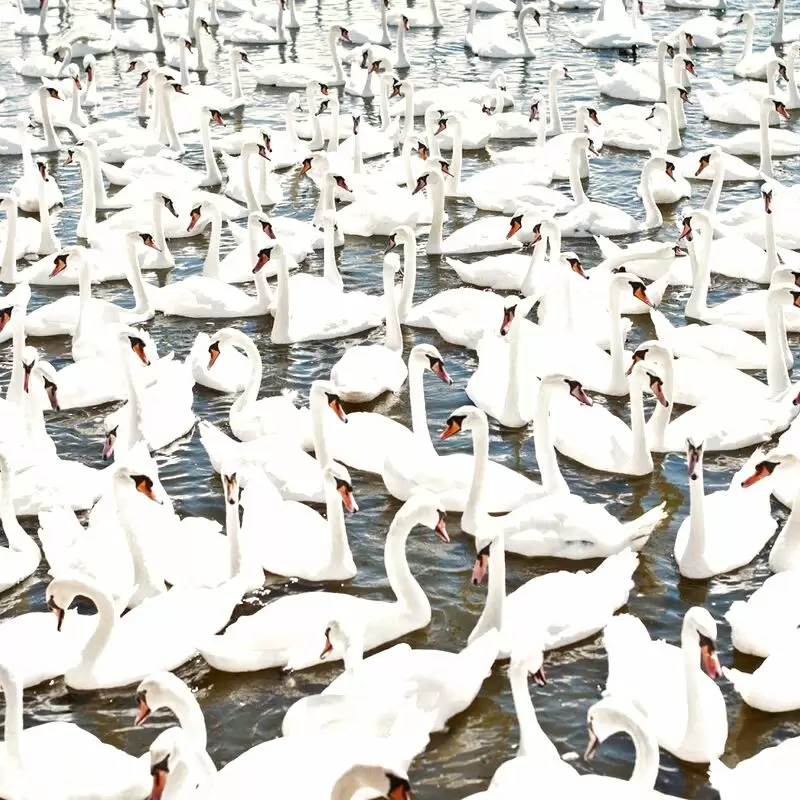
244	710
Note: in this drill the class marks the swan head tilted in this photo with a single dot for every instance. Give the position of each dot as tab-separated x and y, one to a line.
483	550
402	234
157	691
528	659
611	715
336	475
168	749
30	357
226	337
430	358
385	782
62	591
646	375
575	388
127	476
772	103
700	628
694	457
516	308
44	371
425	508
326	392
342	634
653	349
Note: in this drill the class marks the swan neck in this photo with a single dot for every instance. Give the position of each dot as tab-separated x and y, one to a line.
473	510
8	272
213	176
409	276
435	235
640	458
419	412
765	149
280	328
714	194
697	305
531	736
775	335
555	113
393	338
14	726
543	446
403	583
575	185
340	545
494	609
250	195
250	393
211	266
330	270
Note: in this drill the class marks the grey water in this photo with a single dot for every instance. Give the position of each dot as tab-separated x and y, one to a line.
243	710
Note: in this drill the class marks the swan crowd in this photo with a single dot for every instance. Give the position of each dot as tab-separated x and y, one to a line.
397	164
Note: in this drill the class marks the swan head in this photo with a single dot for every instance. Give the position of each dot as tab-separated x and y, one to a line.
516	308
464	418
62	591
30	356
336	475
45	371
652	348
771	103
49	91
342	634
424	180
694	456
528	659
647	376
425	508
480	568
145	238
430	358
575	265
766	466
169	748
402	234
127	477
609	716
575	388
626	280
230	484
160	197
341	33
583	142
157	691
705	160
385	782
327	390
701	627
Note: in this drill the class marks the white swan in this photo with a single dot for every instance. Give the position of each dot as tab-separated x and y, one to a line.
784	32
776	765
752	65
684	706
368	371
369	437
42	760
22	555
703	547
249	417
765	142
500	45
285	632
553	610
372	693
615	33
232	368
559	524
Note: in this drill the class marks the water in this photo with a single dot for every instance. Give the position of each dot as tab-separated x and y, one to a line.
243	710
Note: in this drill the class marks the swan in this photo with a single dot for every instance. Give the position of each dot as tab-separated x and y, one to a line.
752	65
280	455
481	236
48	65
624	450
373	692
44	759
368	371
706	165
328	315
767	619
316	548
232	368
163	412
614	33
297	76
61	316
770	688
774	765
613	715
765	142
27	187
567	607
449	97
458	315
207	297
418	17
177	766
783	556
537	757
636	83
11	143
22	555
284	633
590	218
497	45
366	33
369	437
452	476
176	620
784	32
251	418
703	547
36	24
19	235
684	706
141	41
559	524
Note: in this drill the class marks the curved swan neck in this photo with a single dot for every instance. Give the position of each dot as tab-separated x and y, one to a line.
340	545
47	241
646	759
101	635
330	270
250	394
211	265
250	196
532	738
775	335
521	29
213	176
434	246
333	37
652	213
714	194
318	405
87	221
141	298
473	510
403	583
697	305
393	337
190	717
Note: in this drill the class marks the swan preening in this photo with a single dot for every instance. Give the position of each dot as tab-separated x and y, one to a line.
478	371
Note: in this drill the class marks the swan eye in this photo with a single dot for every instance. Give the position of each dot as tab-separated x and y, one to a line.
707	643
796	299
161	766
484	552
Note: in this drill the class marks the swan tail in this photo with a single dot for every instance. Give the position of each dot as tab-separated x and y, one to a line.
640	530
614	577
479	655
720	777
607	247
219	446
623	637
